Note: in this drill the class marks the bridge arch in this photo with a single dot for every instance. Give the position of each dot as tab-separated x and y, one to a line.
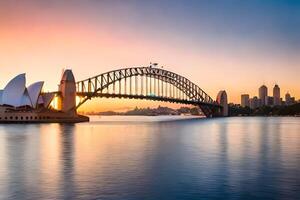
146	83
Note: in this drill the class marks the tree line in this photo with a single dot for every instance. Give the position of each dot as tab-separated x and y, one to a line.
292	110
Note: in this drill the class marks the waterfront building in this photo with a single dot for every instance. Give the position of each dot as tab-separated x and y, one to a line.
269	101
245	100
289	100
254	103
276	95
263	94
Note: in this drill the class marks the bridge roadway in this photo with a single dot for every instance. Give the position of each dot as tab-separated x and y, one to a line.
146	97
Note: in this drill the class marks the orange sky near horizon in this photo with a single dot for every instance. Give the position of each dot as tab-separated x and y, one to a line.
41	42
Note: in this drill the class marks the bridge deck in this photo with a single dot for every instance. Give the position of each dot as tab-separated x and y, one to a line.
145	97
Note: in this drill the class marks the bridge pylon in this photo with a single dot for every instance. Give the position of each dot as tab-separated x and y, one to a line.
222	100
67	89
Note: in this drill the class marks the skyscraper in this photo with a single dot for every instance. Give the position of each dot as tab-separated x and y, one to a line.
276	95
245	100
269	101
254	103
289	100
263	94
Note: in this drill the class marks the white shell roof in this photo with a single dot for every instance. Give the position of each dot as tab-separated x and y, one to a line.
16	94
34	91
40	100
14	90
47	98
25	101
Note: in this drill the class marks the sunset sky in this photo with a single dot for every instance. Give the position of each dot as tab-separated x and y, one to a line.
235	45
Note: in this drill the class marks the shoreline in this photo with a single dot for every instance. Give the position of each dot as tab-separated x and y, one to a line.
192	115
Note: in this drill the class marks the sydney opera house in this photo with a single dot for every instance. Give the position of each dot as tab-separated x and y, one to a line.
19	103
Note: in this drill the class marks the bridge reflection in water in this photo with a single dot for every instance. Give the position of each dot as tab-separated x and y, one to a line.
151	84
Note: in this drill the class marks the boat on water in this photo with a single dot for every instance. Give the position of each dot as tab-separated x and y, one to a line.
21	104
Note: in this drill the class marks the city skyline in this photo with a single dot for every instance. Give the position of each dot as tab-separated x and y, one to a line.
204	41
265	97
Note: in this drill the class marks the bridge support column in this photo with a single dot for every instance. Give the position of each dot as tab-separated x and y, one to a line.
222	100
67	90
211	111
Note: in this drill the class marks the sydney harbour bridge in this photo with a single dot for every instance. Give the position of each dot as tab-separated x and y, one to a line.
150	83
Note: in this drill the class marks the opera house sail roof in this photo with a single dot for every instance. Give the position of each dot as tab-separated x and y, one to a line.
13	92
16	94
34	91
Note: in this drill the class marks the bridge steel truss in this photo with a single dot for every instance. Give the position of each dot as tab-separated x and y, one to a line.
146	83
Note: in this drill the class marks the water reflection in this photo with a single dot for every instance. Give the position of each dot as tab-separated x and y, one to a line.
51	160
248	158
66	132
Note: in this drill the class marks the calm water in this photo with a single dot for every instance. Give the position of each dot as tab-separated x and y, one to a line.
137	158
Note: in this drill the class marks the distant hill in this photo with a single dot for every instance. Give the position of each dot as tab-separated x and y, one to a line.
155	111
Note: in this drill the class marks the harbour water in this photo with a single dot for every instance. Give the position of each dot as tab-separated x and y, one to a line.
134	158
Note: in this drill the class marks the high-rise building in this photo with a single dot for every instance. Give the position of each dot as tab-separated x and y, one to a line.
263	94
245	100
276	95
254	103
289	100
269	101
